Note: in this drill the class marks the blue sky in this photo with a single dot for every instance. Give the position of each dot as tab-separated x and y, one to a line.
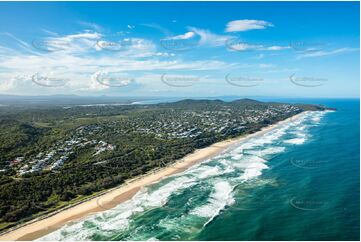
280	49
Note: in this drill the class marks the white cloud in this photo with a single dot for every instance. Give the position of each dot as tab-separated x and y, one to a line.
77	64
277	47
198	37
208	38
84	35
11	83
164	54
187	35
73	43
244	25
136	47
243	46
320	53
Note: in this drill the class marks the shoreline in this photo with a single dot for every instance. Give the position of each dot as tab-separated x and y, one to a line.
108	199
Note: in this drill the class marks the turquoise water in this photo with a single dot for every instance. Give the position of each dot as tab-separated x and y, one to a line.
299	181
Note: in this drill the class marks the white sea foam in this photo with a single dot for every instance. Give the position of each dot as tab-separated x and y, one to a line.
253	171
227	165
316	119
267	138
153	239
205	171
259	142
301	127
295	141
253	166
218	200
236	156
237	152
300	135
248	161
267	151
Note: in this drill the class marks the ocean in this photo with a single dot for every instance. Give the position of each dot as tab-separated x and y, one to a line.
300	181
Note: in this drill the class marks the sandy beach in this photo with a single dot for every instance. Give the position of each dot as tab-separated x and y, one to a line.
41	226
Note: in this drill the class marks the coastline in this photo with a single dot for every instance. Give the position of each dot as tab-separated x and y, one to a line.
41	226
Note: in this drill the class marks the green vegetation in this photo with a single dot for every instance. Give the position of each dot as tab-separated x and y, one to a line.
52	157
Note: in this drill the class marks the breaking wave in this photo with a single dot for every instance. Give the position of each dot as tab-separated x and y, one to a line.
218	200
